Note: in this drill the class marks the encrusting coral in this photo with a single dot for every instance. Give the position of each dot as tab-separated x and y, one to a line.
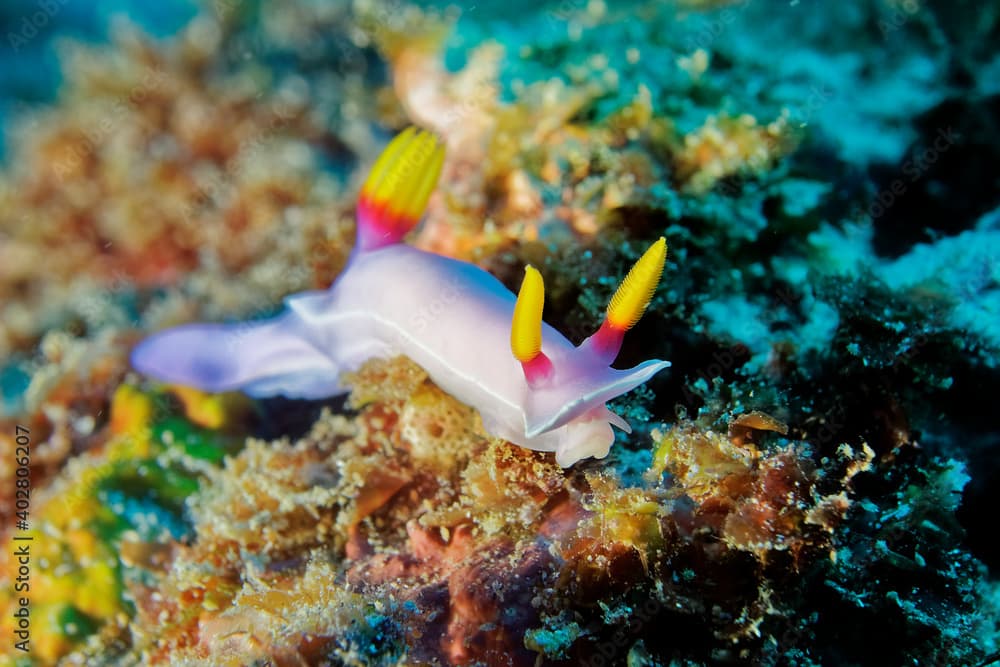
409	532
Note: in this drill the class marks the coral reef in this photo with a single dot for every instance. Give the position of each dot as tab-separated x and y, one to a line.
817	468
409	524
145	134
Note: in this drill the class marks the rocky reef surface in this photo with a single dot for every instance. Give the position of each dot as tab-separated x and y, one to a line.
810	484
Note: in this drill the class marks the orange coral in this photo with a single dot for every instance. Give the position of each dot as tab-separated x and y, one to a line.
151	169
762	502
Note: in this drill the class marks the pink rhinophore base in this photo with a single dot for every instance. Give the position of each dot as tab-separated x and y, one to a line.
606	343
378	226
538	370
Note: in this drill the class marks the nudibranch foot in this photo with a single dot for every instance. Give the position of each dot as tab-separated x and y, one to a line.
452	318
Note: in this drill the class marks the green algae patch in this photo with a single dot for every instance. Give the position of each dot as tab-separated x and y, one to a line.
130	492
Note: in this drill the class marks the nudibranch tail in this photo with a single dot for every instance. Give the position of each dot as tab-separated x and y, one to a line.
398	188
628	303
526	328
263	358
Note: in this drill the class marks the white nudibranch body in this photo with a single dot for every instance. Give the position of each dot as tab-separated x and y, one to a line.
452	318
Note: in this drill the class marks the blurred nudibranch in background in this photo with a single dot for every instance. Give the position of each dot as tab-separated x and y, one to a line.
548	395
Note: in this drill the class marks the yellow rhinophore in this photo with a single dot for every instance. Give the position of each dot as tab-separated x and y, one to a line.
404	176
526	325
636	291
386	158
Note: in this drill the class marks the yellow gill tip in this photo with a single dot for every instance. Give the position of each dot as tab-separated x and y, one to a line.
526	325
636	291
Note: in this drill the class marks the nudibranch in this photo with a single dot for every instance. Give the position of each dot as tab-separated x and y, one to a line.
473	337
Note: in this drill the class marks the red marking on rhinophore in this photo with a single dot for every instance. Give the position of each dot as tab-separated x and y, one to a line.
606	343
538	371
379	225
